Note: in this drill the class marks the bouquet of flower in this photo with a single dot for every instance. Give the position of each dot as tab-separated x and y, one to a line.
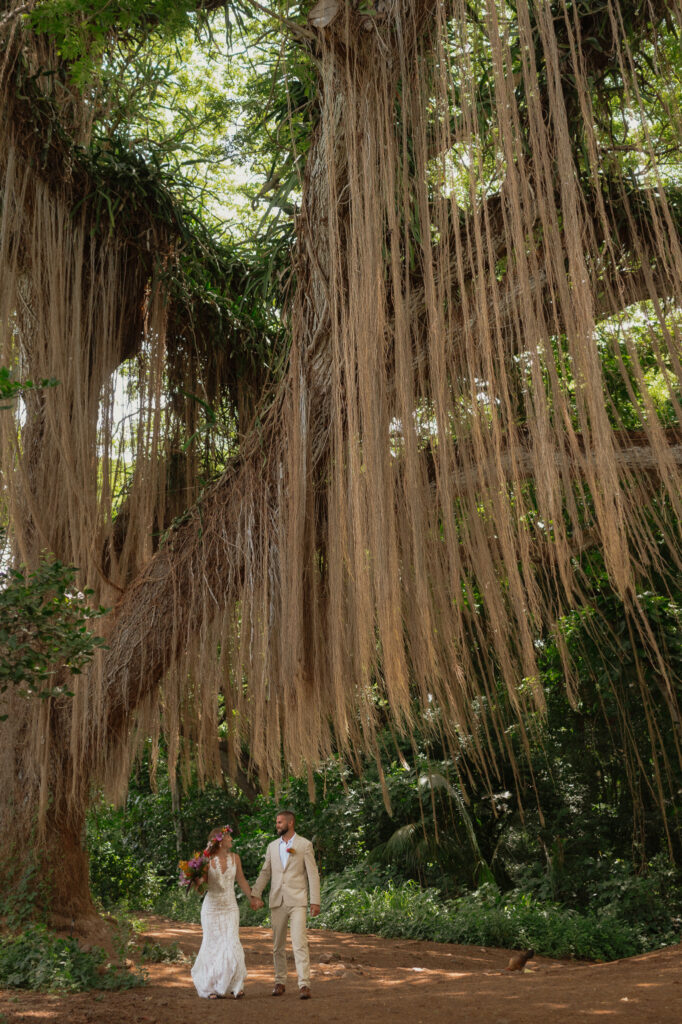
196	868
193	870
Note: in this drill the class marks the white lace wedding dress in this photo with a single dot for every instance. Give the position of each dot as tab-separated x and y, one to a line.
220	968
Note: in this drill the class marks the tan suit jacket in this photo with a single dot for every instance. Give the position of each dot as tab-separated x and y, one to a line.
289	885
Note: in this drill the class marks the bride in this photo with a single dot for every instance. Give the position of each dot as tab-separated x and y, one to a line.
220	965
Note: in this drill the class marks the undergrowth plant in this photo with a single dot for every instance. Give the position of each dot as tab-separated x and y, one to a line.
489	917
38	959
20	901
156	953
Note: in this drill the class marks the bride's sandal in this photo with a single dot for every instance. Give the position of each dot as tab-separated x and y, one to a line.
240	995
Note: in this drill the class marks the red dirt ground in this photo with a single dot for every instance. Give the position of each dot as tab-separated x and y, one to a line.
363	979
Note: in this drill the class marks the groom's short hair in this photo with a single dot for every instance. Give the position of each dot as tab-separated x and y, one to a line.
286	814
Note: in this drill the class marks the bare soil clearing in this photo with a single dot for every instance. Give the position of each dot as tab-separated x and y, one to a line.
366	980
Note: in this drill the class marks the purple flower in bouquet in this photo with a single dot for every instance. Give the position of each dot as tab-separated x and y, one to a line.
193	870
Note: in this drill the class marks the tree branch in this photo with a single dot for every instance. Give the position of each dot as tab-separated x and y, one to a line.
632	452
15	13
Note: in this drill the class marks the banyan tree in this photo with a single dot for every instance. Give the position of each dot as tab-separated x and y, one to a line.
489	202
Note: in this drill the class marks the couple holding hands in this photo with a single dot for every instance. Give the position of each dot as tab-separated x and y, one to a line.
291	870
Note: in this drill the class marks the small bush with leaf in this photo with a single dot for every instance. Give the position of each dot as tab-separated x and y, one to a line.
43	628
38	959
156	953
489	917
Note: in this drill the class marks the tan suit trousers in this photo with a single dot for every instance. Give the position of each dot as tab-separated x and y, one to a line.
296	917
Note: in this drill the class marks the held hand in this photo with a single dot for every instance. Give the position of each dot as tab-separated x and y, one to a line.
314	909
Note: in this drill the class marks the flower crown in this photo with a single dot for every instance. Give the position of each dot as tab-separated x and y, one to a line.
214	843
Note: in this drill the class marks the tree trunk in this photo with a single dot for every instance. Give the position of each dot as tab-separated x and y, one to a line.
42	826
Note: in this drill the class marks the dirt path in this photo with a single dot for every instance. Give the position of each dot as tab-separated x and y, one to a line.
368	980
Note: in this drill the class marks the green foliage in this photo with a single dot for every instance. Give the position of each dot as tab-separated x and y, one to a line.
348	819
155	953
491	918
38	959
43	628
595	761
26	895
55	965
626	341
83	30
178	905
118	878
11	388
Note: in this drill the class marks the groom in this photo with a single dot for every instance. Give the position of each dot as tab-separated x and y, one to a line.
291	869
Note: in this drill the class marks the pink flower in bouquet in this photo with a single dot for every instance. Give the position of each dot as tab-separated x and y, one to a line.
193	870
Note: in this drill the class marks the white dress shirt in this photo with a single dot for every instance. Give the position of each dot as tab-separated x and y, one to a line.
284	854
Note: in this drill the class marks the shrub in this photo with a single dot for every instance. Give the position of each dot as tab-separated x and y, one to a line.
21	900
488	917
38	959
155	953
119	877
179	905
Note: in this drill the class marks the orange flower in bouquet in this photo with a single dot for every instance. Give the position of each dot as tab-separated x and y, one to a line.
194	870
